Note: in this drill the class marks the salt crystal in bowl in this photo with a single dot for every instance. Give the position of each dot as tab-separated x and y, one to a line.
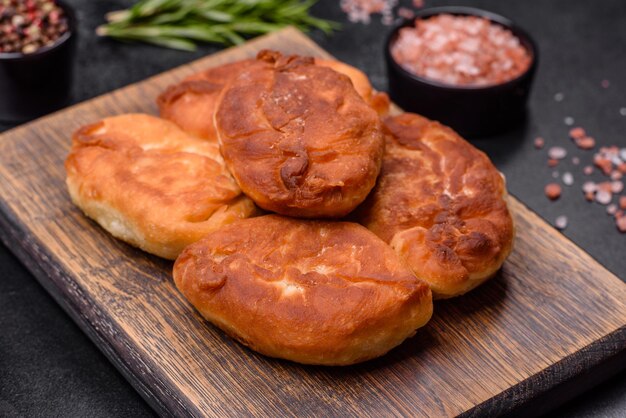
451	87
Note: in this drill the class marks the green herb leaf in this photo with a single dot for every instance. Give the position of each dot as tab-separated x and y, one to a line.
180	23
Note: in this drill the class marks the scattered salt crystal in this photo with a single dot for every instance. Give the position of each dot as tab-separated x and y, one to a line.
560	222
539	142
589	187
568	178
622	154
617	186
622	202
616	175
569	121
603	197
605	186
586	142
611	209
418	4
621	223
559	97
622	111
557	153
577	132
588	170
361	10
552	191
603	164
555	174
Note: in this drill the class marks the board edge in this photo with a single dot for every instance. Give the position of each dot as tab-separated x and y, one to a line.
11	234
559	382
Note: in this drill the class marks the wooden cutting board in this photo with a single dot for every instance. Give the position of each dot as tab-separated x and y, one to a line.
514	345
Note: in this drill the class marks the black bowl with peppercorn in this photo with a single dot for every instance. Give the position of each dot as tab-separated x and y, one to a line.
36	52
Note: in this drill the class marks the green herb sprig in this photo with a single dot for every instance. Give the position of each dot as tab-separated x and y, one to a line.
180	24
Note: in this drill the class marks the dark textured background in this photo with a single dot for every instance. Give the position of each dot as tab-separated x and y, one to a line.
49	368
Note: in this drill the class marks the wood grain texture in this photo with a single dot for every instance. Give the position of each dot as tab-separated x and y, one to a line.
553	312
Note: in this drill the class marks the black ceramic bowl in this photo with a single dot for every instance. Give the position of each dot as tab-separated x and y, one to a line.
32	85
473	111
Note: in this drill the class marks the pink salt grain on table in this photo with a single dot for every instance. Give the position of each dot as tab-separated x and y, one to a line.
586	142
560	222
460	50
611	209
604	197
577	133
557	153
552	191
361	10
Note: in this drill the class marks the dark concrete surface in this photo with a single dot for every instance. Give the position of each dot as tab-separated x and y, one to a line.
48	367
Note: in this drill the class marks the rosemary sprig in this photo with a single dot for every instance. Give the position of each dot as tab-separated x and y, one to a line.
180	24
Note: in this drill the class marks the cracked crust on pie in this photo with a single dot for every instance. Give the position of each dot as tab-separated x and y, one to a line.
150	184
313	292
440	203
298	138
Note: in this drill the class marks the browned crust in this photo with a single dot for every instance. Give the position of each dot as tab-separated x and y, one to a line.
150	184
298	138
308	291
191	103
377	100
440	203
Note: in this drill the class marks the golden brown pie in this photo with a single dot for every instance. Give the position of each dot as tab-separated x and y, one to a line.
314	292
191	103
440	203
298	138
378	100
150	184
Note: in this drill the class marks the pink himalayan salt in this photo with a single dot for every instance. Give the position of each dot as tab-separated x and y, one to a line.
460	50
361	10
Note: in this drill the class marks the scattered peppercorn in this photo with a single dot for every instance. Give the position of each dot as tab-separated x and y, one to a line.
28	25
